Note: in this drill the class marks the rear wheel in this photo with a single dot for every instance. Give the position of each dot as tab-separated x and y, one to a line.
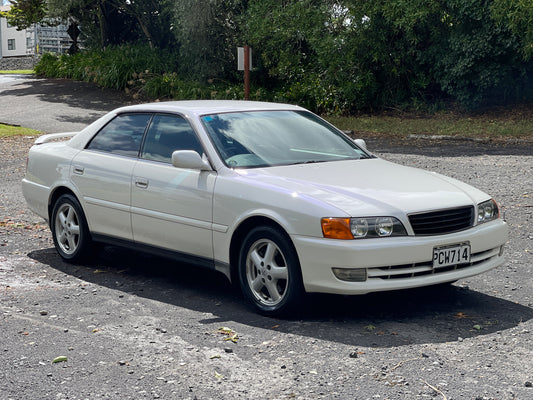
69	229
269	271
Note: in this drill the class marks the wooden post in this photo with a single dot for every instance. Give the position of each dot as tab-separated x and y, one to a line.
246	72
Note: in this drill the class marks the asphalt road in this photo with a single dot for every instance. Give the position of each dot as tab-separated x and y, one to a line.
53	105
139	327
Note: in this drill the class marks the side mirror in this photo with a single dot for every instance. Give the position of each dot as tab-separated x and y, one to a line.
189	159
361	143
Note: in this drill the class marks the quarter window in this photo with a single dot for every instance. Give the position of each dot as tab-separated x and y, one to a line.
123	135
166	134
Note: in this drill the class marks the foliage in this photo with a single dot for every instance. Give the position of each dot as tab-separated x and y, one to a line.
332	56
356	54
25	13
110	68
208	39
479	63
138	70
517	16
115	22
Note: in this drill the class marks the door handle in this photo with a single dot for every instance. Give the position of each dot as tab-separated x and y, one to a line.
78	169
141	183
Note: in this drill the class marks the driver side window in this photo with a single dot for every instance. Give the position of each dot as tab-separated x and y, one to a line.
166	134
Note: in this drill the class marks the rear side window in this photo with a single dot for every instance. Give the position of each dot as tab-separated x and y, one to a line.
166	134
122	136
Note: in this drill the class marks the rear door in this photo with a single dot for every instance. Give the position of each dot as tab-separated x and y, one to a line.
172	207
103	171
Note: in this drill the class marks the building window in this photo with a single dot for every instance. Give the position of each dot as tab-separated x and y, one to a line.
11	44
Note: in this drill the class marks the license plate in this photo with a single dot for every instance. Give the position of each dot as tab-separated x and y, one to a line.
451	255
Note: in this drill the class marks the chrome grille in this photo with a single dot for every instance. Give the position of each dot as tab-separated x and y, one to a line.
443	221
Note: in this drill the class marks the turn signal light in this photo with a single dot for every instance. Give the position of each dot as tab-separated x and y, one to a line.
336	228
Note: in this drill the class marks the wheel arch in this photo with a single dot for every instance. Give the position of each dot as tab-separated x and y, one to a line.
240	233
56	194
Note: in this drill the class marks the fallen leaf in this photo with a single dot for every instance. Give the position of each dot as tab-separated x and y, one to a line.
59	359
232	335
218	376
370	327
461	315
215	356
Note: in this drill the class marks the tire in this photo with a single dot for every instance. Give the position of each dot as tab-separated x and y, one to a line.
269	272
70	231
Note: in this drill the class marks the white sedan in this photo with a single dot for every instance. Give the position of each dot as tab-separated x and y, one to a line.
269	194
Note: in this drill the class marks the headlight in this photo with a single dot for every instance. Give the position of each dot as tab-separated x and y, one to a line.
487	211
360	228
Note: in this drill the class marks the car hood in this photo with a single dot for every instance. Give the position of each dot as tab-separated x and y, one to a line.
369	187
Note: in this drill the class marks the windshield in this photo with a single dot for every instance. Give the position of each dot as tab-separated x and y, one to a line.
269	138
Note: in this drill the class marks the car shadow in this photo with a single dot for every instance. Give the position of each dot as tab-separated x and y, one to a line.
428	315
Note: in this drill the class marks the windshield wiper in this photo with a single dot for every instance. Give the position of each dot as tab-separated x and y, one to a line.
308	162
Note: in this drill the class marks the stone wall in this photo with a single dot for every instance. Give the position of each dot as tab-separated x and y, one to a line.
14	63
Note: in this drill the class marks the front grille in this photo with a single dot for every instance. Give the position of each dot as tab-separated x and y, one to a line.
443	221
420	269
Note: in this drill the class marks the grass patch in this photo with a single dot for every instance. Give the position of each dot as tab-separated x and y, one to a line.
17	72
10	130
514	122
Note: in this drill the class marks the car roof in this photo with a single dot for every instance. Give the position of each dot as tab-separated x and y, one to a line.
188	108
201	107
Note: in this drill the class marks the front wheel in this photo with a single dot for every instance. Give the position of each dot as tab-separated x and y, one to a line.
69	229
269	271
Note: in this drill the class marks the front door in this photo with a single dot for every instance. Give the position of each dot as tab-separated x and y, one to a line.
172	207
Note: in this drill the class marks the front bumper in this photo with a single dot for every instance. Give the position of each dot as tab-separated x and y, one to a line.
396	262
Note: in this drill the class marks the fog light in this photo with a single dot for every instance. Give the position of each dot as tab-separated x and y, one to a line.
350	274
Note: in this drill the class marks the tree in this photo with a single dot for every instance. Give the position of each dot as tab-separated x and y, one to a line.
25	13
517	15
208	33
353	54
114	22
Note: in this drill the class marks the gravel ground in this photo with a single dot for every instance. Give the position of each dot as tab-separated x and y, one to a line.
138	327
135	326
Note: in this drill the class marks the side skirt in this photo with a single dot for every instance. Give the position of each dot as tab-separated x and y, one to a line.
203	262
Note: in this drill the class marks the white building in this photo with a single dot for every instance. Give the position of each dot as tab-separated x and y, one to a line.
36	39
12	42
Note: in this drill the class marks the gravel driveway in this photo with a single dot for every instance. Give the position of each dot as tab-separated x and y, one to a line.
141	327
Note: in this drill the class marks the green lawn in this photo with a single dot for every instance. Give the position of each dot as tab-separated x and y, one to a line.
10	130
18	71
515	122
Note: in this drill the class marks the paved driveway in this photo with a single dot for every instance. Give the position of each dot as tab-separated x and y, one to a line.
53	105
